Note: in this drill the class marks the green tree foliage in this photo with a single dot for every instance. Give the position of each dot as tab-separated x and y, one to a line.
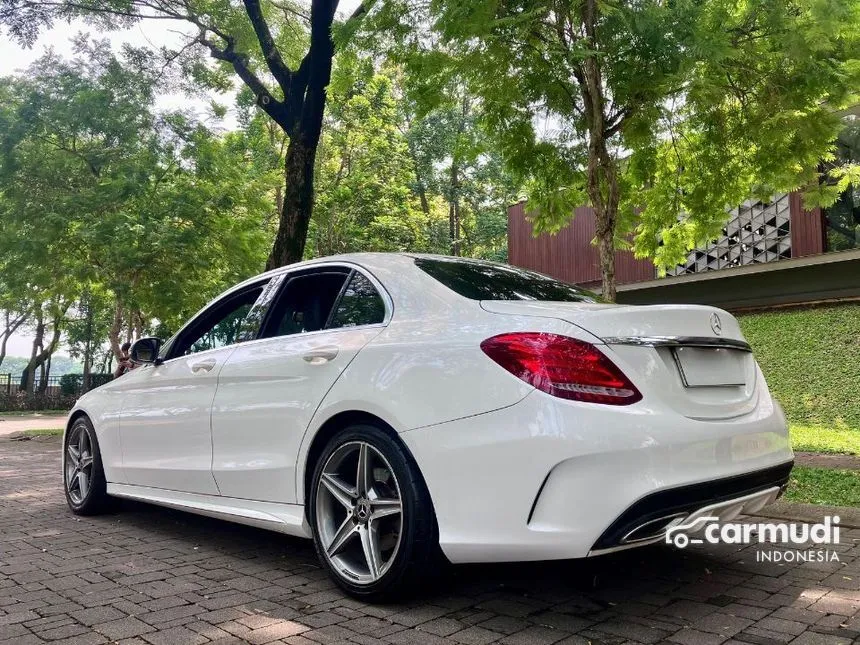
100	194
281	51
459	176
660	115
383	172
364	174
457	165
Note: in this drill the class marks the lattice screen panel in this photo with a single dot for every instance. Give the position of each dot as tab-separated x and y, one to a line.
757	232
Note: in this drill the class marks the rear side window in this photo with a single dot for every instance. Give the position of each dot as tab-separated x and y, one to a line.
306	303
360	304
479	280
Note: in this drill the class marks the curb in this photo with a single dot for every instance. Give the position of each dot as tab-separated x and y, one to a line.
849	516
827	460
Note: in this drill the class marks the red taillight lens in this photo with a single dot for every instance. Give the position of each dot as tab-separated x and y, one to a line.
562	366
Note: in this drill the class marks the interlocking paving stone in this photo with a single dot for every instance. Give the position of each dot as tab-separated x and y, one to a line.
147	576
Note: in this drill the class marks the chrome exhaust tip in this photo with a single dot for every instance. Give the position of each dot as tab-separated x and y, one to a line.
653	529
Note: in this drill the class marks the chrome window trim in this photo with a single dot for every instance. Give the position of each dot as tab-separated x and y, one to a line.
680	341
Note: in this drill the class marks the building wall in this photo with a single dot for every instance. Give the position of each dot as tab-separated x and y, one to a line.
569	254
755	234
807	229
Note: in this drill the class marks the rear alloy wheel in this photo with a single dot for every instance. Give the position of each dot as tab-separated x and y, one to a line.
83	475
372	518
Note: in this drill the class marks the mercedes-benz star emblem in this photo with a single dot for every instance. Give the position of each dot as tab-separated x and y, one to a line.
716	324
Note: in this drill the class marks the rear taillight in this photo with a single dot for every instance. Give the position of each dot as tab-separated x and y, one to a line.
562	366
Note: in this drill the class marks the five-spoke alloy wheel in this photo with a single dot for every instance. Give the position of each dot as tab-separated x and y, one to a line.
373	523
359	512
79	464
84	479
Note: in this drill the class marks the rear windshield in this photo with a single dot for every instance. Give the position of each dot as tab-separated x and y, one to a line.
490	281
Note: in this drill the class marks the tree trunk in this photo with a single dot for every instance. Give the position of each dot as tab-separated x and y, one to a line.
602	180
28	377
301	154
116	329
45	373
420	187
298	204
88	348
129	332
88	369
41	353
11	324
604	195
138	324
422	196
454	207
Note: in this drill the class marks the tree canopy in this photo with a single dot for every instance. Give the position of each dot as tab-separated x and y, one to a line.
121	219
99	193
281	52
659	115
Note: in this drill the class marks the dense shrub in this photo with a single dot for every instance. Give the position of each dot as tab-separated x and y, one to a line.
811	360
73	383
19	401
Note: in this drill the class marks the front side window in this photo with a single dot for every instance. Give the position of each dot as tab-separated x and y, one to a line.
224	324
360	304
478	280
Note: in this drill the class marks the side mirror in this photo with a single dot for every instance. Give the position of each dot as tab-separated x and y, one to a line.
145	351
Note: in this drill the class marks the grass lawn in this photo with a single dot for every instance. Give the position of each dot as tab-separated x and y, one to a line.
824	486
43	432
842	440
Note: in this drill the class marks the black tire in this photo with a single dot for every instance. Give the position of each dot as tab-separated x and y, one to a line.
95	500
415	564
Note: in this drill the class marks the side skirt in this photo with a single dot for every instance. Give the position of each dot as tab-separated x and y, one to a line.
283	518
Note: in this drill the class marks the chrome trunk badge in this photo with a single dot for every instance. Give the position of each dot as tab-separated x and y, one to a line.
716	324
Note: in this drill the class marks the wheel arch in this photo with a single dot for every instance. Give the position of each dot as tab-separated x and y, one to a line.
330	428
74	416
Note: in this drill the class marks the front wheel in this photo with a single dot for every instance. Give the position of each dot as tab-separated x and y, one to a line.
83	475
373	522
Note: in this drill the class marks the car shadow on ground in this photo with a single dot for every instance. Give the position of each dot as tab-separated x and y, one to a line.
597	584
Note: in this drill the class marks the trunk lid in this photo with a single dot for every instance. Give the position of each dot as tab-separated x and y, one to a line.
614	321
692	358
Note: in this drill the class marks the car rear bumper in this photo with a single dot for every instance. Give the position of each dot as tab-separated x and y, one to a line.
646	521
551	479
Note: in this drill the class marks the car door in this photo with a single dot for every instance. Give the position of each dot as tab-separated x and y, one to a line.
269	389
165	429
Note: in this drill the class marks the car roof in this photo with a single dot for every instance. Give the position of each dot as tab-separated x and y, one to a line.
369	260
396	272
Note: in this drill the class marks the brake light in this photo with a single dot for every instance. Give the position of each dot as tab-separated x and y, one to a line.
562	366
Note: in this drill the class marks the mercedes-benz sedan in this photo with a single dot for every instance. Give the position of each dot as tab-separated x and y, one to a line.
399	408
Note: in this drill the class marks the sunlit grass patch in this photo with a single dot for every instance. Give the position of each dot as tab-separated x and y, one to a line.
824	486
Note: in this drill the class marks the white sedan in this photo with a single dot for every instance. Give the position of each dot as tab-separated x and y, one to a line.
398	408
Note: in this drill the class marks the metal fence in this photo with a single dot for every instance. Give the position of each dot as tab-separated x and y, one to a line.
65	384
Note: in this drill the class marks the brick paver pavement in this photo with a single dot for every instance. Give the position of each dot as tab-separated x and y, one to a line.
150	575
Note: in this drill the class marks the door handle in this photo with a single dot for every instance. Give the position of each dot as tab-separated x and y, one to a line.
321	355
203	366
